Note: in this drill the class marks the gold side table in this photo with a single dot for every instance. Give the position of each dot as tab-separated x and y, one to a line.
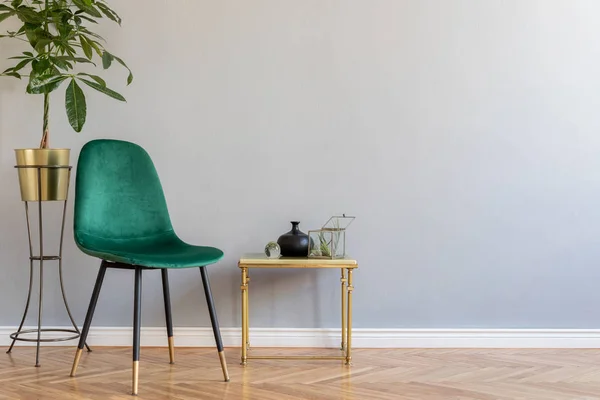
346	265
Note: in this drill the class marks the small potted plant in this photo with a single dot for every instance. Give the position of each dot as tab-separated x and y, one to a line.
59	39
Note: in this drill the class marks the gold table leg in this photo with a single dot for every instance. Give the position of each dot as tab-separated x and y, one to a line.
248	310
244	288
349	288
343	280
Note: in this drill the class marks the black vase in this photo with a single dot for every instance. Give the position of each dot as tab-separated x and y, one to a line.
294	243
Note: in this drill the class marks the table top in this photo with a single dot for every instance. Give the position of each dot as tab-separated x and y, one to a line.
260	260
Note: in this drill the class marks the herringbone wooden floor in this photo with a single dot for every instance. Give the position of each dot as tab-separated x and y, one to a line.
376	374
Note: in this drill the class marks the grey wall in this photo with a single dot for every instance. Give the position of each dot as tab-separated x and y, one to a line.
463	134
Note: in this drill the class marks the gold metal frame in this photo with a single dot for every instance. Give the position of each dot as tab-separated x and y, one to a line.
346	266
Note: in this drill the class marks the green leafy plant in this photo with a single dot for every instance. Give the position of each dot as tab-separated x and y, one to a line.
58	34
329	247
324	245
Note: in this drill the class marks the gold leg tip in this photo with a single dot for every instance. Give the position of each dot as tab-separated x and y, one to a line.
136	369
171	350
76	362
224	366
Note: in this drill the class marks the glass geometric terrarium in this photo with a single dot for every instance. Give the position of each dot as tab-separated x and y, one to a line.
330	241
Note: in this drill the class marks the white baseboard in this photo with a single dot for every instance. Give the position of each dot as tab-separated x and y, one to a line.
361	338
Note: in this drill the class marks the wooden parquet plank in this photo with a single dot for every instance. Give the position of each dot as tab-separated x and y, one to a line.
377	374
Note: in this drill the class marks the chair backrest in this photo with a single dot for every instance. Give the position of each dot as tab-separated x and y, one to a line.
118	195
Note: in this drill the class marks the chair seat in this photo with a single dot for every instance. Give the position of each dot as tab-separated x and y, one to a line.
165	252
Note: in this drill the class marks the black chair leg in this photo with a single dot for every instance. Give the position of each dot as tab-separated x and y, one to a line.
167	299
89	316
137	324
214	321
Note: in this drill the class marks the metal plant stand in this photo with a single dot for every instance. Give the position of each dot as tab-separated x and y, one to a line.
41	258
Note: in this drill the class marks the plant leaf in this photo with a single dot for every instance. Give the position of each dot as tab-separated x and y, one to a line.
110	14
85	45
96	46
107	60
61	63
29	15
75	105
100	81
42	67
120	61
93	21
21	65
36	33
13	74
75	59
6	15
41	44
91	10
39	84
104	89
89	33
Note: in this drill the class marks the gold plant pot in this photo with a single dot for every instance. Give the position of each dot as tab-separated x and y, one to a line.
54	181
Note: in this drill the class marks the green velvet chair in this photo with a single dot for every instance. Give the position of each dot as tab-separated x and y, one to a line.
121	217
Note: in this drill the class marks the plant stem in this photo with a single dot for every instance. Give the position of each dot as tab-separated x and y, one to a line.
44	141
